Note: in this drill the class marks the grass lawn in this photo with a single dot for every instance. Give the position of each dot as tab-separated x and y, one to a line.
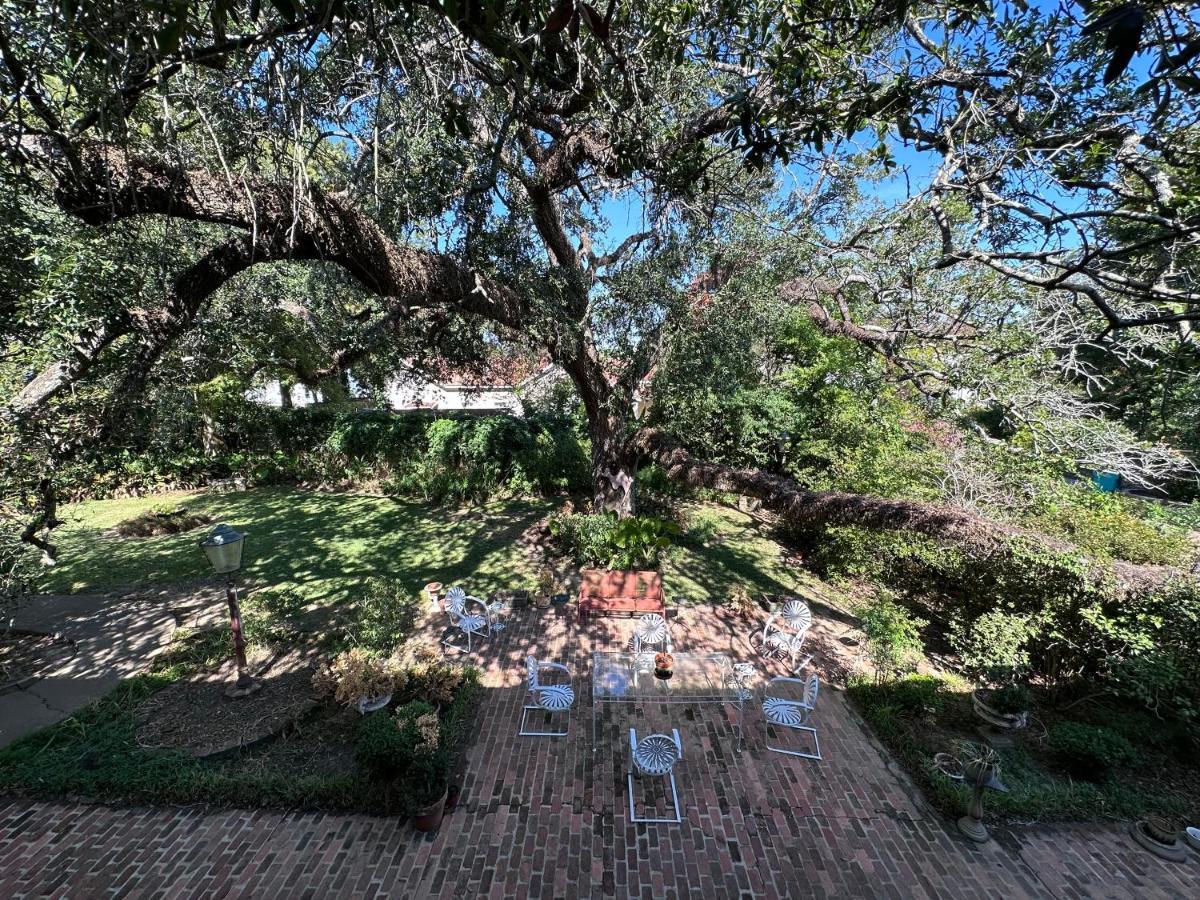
325	545
321	545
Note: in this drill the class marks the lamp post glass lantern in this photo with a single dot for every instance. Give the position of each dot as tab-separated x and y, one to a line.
223	547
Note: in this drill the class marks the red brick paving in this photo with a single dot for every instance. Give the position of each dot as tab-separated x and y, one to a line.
547	818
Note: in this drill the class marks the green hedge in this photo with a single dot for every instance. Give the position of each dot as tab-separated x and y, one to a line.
1140	643
414	454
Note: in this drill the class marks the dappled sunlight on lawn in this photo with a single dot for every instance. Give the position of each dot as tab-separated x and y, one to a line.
721	550
326	545
321	544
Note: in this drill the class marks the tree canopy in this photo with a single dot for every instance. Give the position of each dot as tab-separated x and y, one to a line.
995	203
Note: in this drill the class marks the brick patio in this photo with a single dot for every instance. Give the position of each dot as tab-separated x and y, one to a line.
547	818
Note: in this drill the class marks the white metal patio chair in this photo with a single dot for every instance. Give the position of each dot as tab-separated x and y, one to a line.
795	715
655	756
493	610
468	614
548	698
785	631
652	635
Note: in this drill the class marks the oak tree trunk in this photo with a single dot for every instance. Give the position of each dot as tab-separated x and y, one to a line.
614	469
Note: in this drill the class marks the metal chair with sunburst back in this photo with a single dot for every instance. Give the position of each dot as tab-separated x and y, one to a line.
548	698
655	756
790	713
785	631
468	614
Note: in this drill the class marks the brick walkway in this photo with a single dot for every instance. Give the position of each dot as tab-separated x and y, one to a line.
547	818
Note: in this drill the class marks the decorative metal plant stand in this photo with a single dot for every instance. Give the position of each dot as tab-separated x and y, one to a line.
980	775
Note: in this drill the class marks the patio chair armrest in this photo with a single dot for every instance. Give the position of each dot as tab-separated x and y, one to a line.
767	625
678	742
633	740
785	678
553	665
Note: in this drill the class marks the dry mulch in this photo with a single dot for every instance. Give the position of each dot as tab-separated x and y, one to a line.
156	523
195	716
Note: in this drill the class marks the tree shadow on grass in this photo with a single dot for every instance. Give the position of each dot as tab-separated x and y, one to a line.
325	546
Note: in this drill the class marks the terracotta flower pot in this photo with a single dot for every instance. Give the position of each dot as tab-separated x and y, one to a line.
429	818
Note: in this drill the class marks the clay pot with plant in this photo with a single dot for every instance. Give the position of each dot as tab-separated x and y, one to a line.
545	586
360	679
405	754
664	664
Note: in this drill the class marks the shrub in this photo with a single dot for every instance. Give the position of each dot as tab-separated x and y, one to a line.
604	540
992	646
383	616
413	750
1085	626
427	674
917	695
1107	524
1010	699
1089	751
358	673
893	636
390	745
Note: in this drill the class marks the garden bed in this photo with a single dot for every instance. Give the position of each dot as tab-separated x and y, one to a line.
920	716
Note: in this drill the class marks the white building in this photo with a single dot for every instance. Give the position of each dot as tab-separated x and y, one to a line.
411	389
270	393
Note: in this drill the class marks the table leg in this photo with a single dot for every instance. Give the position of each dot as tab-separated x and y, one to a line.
595	746
742	725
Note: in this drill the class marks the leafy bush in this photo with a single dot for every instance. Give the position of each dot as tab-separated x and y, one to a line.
1108	525
1010	699
416	454
1090	751
603	540
992	647
384	616
1141	642
358	673
413	750
918	694
893	636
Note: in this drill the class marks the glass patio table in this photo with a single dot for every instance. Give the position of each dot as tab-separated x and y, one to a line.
696	678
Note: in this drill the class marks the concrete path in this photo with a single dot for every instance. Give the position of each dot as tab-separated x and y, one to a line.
113	637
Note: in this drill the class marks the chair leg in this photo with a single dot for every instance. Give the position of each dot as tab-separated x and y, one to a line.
634	817
521	729
812	731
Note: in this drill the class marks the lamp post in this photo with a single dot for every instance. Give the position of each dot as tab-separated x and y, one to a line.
223	547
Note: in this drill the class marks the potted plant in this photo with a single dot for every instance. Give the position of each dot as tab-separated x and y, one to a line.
360	679
430	786
663	664
404	752
1005	707
545	587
